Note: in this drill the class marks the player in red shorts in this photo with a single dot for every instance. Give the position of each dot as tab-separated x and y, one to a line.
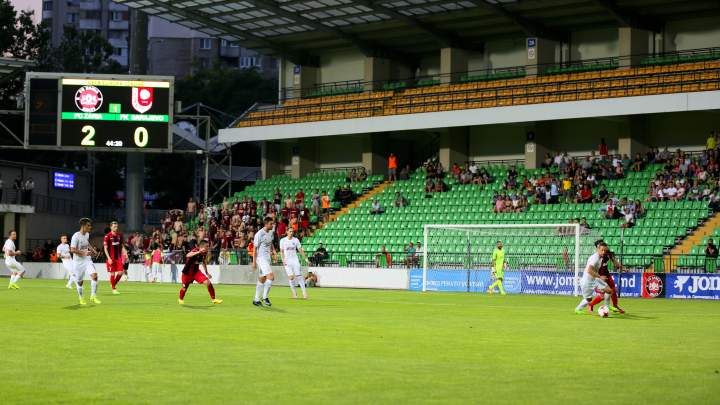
191	272
605	272
114	251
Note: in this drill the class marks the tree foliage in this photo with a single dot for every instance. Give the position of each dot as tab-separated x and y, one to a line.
84	52
225	88
22	39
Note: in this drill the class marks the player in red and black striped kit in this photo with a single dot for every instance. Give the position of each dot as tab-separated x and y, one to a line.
191	272
605	272
114	249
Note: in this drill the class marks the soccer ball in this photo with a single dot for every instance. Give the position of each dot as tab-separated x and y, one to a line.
603	311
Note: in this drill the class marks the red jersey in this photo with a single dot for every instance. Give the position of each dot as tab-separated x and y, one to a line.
264	207
224	242
114	244
305	214
236	242
193	263
226	220
585	193
213	228
281	228
277	198
285	212
604	264
236	205
299	197
253	205
296	212
245	204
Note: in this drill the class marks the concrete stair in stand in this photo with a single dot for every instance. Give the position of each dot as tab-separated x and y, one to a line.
683	248
358	201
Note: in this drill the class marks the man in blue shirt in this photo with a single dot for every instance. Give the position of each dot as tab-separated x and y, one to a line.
410	255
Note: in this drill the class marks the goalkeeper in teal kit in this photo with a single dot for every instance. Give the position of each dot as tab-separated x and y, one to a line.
498	265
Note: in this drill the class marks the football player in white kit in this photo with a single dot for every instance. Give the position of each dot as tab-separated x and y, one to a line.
261	259
63	251
82	262
16	269
289	247
591	280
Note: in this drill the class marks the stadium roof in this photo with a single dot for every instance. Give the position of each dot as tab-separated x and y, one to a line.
300	30
9	67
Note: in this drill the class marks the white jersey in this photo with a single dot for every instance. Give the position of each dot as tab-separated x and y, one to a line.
594	262
289	248
80	242
62	251
9	247
262	242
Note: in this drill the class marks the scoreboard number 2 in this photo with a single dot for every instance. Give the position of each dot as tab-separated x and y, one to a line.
141	136
88	140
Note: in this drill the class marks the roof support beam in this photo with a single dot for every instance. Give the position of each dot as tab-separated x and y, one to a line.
628	19
368	48
530	28
447	39
295	56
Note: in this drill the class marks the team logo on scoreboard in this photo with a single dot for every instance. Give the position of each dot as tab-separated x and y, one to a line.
88	99
142	98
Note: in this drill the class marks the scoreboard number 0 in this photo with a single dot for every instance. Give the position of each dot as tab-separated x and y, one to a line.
141	136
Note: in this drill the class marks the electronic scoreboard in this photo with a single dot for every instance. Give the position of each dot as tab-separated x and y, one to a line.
99	112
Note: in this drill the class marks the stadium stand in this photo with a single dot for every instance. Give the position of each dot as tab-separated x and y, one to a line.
689	71
358	236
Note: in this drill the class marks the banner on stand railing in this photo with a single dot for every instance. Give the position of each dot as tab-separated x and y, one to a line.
694	286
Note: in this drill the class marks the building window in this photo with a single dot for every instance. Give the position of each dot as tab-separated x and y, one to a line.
223	42
47	5
204	43
73	17
256	61
93	15
118	51
277	63
205	62
226	43
117	16
115	34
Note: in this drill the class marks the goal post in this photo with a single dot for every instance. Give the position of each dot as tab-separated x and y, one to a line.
540	258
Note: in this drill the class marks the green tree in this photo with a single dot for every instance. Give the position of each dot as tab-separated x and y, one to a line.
225	88
84	52
21	39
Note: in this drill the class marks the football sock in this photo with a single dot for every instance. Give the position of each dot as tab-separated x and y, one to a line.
607	300
614	299
182	293
302	284
499	283
159	275
12	279
119	276
582	305
268	283
292	286
154	274
258	291
93	287
211	290
494	284
112	280
80	291
596	300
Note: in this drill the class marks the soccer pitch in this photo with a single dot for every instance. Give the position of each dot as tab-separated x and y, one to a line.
349	346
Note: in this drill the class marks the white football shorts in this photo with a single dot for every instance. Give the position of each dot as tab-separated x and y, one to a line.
68	264
80	271
588	289
263	267
293	269
14	266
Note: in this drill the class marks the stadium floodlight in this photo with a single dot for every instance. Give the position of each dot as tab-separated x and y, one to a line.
540	258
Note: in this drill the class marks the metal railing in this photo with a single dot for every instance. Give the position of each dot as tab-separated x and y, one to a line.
338	169
45	203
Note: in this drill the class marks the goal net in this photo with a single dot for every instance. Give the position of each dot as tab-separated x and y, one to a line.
540	258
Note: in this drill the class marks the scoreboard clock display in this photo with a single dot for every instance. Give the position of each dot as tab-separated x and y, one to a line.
102	112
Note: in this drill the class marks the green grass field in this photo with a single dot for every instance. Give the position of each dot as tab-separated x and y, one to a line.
349	346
